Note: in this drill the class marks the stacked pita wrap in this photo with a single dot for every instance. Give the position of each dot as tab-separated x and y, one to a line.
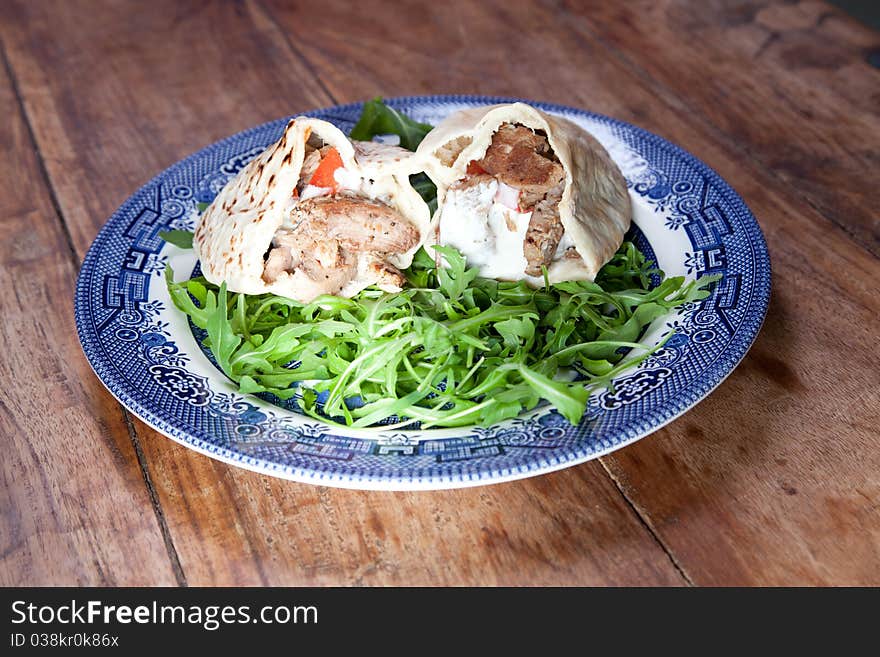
520	191
272	230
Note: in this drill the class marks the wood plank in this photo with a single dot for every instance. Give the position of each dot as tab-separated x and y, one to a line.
230	526
569	527
799	415
74	509
787	83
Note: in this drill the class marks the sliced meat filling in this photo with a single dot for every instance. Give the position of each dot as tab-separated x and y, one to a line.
386	274
544	232
524	160
310	164
356	223
324	262
328	234
473	180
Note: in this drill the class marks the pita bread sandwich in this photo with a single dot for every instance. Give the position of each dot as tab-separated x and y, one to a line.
520	190
314	214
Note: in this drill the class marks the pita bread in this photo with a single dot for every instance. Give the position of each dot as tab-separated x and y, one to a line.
595	208
236	231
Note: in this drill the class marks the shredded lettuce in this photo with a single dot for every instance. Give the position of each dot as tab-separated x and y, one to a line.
452	349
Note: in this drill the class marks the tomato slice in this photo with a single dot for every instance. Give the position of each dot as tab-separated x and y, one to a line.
323	176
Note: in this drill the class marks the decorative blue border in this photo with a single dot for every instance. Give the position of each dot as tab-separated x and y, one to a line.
129	350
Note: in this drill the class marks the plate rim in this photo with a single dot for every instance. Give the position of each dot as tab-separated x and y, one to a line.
629	432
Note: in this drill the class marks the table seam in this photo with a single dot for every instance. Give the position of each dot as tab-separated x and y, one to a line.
644	520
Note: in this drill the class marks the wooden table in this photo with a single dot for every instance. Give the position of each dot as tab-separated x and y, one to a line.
774	479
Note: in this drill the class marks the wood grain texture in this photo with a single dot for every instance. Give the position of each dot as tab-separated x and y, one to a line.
788	83
771	480
73	506
569	527
234	527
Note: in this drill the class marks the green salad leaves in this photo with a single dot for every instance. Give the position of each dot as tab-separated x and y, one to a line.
182	239
377	118
452	349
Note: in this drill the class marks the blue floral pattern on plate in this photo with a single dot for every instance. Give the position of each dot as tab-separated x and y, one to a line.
143	350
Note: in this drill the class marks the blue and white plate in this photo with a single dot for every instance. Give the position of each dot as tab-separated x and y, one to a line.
145	352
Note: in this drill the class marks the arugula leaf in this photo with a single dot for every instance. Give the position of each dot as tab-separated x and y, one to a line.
180	296
517	331
455	278
377	118
223	339
182	239
569	399
452	350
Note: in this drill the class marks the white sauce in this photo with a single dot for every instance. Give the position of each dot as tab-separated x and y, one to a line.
476	225
310	191
354	185
347	180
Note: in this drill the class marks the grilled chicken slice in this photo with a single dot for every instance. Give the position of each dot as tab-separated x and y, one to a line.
387	275
327	236
357	224
278	261
309	166
328	263
321	260
522	159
